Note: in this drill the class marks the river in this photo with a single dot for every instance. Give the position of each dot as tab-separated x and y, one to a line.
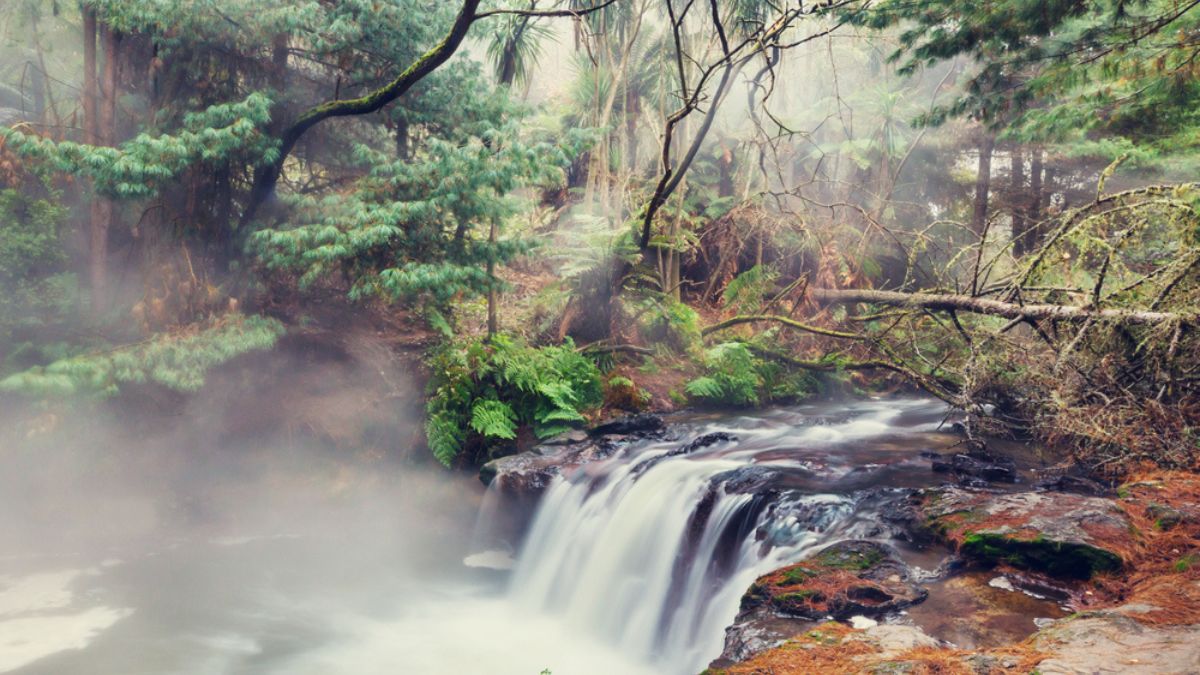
633	565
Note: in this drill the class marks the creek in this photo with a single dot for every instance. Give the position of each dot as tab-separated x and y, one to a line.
634	563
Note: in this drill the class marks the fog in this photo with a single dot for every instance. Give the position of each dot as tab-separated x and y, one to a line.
224	529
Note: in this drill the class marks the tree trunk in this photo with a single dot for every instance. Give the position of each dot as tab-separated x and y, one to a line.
983	181
493	319
1016	207
98	117
1033	233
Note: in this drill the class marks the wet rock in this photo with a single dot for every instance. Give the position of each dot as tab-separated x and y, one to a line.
1111	643
855	577
568	437
978	609
748	479
696	444
703	442
1075	484
531	472
1061	534
641	423
977	468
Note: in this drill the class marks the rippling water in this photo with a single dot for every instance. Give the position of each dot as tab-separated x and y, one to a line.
634	565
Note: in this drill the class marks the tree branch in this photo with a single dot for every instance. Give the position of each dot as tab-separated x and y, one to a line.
990	307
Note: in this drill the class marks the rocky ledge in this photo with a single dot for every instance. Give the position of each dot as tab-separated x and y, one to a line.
854	578
1057	533
1128	567
529	473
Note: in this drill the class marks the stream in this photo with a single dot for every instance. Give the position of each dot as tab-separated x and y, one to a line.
631	564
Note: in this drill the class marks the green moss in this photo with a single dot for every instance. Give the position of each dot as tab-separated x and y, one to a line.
1185	563
1060	559
850	560
796	575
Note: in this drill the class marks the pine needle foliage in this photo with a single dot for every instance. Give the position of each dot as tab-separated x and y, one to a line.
140	167
483	393
176	361
413	229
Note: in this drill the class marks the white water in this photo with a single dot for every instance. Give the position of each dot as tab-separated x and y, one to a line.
614	576
610	554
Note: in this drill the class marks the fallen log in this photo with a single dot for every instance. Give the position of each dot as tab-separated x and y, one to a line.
1000	308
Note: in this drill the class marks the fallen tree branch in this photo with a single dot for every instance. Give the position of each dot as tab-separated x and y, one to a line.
990	307
790	323
610	349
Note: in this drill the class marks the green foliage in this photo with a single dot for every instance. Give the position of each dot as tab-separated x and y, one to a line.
735	376
410	228
37	292
140	167
664	320
746	291
483	392
175	361
731	377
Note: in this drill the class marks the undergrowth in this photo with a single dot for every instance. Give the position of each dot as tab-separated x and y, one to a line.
483	392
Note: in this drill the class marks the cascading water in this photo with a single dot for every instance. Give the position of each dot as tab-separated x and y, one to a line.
650	550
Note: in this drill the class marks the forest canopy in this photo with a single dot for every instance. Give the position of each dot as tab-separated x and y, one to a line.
583	205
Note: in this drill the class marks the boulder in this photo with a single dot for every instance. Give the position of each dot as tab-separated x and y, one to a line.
1060	534
854	577
1107	642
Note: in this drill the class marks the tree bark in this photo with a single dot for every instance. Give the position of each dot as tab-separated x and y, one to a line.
493	321
1016	207
983	181
267	176
1033	233
990	307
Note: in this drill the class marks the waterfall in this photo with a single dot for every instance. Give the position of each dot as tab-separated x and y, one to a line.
651	552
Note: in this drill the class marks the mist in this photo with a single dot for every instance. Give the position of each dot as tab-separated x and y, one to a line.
278	496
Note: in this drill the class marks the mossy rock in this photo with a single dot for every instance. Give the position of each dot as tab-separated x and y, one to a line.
1064	535
849	578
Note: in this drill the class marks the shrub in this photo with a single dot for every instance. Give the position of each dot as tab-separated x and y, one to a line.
483	393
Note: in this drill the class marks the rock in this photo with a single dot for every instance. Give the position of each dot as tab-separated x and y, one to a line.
1165	517
848	578
641	423
893	639
567	438
856	578
1110	643
703	442
1060	534
1076	484
983	664
977	468
696	444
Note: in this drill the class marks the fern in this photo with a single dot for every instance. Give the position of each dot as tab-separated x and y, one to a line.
733	376
705	387
174	361
484	393
445	437
494	418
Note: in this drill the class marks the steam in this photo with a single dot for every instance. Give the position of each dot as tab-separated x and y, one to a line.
285	492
